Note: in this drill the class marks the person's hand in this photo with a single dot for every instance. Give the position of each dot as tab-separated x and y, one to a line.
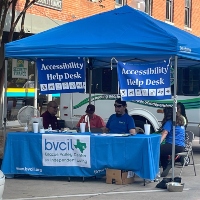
104	130
132	132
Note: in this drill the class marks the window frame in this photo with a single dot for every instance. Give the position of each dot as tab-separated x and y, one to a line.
169	10
119	2
148	7
187	20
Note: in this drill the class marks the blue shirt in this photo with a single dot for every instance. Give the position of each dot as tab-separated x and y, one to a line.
179	133
120	124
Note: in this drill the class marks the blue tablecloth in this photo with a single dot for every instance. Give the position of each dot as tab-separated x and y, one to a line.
139	153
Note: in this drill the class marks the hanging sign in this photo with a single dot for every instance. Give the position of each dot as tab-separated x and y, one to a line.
61	76
144	81
19	69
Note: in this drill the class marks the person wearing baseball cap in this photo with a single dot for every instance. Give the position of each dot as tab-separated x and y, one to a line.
121	121
95	120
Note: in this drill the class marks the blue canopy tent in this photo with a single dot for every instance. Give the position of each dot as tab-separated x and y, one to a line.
125	34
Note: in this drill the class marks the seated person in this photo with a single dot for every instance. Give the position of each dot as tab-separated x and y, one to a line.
95	120
49	116
167	133
181	110
120	122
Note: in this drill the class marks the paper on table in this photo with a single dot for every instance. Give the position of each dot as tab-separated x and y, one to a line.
47	130
121	135
115	134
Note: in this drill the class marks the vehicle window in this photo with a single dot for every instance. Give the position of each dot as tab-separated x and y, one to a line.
189	80
106	80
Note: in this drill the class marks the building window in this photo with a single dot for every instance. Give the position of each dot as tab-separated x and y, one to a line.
169	10
188	13
148	6
119	2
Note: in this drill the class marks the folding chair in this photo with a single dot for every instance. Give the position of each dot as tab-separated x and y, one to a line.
188	151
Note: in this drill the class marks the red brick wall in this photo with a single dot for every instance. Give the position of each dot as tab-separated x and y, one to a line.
77	9
159	12
71	9
195	17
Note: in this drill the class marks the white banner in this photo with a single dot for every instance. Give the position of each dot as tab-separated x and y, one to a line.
19	69
66	150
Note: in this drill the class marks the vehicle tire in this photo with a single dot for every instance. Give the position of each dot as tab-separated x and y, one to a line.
140	124
182	158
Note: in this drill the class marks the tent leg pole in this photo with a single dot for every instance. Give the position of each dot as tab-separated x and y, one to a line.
36	86
90	86
5	104
174	115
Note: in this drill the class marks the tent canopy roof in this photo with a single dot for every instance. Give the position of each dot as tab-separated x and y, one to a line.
124	33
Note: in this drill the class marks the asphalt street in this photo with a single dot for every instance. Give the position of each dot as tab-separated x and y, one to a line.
36	188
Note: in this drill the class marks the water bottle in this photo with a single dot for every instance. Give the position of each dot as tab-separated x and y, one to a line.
50	128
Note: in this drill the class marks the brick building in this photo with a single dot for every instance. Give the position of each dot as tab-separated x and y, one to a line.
46	14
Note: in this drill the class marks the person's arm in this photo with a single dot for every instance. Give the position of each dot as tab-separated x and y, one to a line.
80	121
100	123
164	135
106	129
131	126
45	121
132	131
166	129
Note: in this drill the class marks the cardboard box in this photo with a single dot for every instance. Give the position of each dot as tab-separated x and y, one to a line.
119	177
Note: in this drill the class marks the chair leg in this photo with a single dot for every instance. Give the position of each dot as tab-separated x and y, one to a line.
193	163
186	157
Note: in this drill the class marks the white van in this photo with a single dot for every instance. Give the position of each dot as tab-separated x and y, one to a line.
105	89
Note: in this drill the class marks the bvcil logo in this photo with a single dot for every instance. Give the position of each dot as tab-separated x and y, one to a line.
67	145
80	145
66	150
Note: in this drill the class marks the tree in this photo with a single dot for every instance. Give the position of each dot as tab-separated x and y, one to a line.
5	5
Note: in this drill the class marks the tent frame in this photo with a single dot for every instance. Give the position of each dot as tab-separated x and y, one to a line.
100	46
